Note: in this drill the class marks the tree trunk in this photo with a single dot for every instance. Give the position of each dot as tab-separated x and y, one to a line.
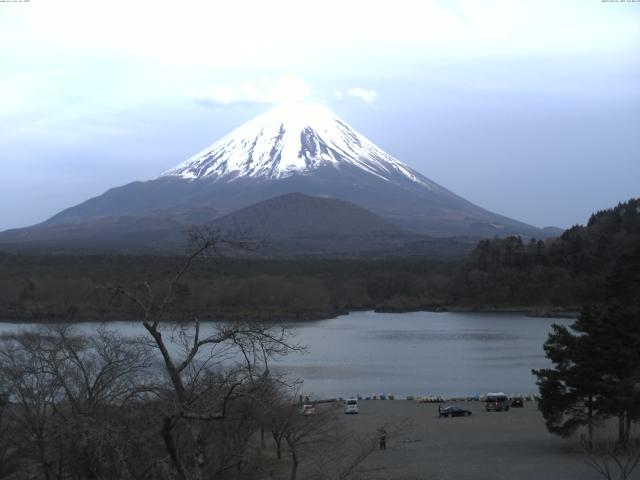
294	461
278	439
622	430
167	436
590	425
43	459
198	456
60	458
173	372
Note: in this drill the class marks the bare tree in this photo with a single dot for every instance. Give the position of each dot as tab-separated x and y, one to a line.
302	430
103	369
612	460
97	374
64	393
198	396
98	407
344	463
32	393
343	454
4	434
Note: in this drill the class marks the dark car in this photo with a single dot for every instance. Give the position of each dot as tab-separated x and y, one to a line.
517	402
454	411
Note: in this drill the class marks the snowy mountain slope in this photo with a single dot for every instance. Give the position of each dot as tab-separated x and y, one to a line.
293	139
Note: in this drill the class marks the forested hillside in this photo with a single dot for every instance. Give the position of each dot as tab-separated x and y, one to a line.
562	272
60	288
543	277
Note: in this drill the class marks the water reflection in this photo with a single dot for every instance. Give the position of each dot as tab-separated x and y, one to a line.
418	353
421	353
413	336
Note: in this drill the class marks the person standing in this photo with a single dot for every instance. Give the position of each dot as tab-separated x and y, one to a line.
383	439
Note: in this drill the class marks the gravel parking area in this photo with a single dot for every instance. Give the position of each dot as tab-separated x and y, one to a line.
485	445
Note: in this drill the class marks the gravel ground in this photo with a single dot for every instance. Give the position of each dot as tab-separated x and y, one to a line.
486	445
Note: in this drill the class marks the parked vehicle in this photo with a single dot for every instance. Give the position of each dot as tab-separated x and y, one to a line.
308	409
351	405
454	411
517	402
497	402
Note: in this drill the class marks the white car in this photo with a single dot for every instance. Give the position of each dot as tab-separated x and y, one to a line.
351	405
308	409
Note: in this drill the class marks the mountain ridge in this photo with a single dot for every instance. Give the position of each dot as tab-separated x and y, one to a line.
295	214
283	151
288	226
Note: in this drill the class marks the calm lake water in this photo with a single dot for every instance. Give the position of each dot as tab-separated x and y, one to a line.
421	353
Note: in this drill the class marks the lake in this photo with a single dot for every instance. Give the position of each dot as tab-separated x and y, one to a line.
419	353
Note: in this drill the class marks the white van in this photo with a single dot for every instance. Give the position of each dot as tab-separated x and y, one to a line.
351	405
497	402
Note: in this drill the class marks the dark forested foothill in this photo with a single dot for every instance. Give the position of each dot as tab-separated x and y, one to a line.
561	273
512	273
62	288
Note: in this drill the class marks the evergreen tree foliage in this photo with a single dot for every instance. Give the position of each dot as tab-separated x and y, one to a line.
596	372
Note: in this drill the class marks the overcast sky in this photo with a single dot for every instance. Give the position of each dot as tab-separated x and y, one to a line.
530	108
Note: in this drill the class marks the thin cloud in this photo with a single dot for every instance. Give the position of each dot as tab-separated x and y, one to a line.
366	95
253	92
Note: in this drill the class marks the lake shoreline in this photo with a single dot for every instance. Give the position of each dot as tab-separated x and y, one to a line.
536	312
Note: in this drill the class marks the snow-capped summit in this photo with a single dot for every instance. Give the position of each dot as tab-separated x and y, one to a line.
293	139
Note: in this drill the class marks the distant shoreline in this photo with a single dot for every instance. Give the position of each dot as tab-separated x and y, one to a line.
537	312
542	312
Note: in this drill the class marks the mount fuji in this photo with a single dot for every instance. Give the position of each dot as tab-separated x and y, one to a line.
296	139
301	148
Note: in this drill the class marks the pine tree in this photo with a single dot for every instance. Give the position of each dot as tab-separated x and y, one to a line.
596	370
569	392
